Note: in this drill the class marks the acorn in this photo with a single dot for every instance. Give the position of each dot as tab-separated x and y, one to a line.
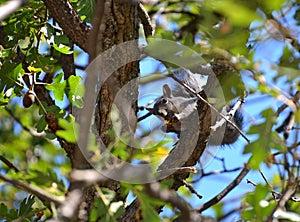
29	98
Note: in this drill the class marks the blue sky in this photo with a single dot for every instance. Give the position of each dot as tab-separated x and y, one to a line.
266	52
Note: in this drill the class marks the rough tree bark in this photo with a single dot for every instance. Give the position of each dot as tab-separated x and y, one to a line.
116	22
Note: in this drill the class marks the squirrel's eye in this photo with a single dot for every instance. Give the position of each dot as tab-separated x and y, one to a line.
164	101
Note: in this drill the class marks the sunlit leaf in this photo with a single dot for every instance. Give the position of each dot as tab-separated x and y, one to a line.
273	5
62	48
69	131
58	87
75	90
33	69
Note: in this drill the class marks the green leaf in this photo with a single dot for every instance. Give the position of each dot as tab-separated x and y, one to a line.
100	210
3	210
273	5
4	99
258	154
87	8
41	125
4	52
231	84
70	129
289	72
267	140
61	39
75	91
9	74
297	116
45	179
34	70
26	205
40	178
55	110
244	15
41	62
106	209
62	48
248	214
12	214
148	207
58	87
261	206
218	209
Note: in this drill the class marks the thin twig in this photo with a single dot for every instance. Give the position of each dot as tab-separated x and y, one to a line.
214	172
265	179
249	181
289	148
295	99
9	164
276	194
146	21
192	189
224	216
144	116
224	192
178	170
41	194
287	195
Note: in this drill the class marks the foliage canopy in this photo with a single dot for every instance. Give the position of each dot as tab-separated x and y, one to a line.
42	66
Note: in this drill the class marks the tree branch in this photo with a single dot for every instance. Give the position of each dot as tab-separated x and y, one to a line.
69	208
96	22
192	189
10	7
9	164
67	18
146	21
41	194
88	177
224	192
171	197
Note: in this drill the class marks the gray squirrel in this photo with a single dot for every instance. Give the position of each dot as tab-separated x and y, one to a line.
176	106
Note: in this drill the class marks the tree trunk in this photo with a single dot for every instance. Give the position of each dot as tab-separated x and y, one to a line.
118	23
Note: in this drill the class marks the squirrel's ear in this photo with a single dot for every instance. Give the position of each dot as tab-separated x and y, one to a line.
167	91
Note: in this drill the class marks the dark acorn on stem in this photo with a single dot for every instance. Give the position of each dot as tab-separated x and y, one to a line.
29	98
